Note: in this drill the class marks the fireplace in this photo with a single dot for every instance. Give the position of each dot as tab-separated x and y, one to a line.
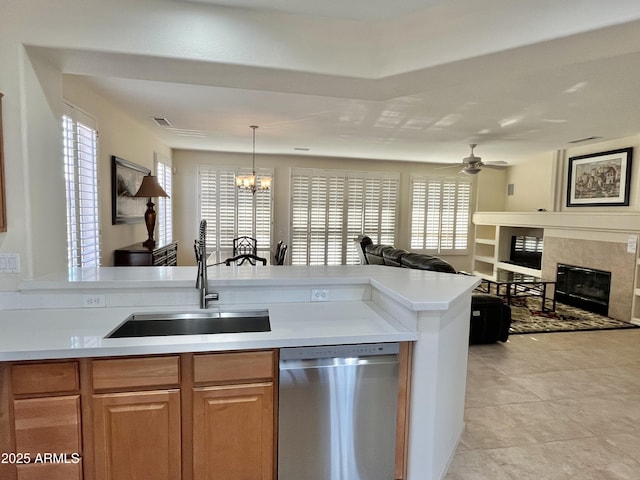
584	288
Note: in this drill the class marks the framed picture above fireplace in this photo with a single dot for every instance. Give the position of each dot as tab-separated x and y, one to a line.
600	179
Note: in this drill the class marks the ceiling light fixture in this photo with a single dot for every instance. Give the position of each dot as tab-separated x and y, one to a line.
250	182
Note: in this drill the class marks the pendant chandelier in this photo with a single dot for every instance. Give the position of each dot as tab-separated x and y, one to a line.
250	182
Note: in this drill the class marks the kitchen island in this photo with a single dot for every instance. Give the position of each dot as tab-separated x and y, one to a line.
68	316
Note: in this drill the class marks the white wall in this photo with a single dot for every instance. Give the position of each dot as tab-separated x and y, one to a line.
541	181
118	135
532	184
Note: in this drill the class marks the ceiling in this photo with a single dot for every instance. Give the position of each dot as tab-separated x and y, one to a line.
414	80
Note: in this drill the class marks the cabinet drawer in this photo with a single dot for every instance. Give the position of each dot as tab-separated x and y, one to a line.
44	378
135	372
51	471
47	425
231	367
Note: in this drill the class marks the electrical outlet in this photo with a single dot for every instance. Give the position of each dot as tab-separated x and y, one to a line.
10	263
319	295
93	301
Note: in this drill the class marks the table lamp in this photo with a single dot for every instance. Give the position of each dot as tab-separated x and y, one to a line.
150	188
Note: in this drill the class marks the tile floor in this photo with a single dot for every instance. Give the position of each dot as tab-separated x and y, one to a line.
553	406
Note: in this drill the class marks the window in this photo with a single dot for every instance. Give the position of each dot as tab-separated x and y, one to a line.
231	212
329	208
165	224
80	142
440	214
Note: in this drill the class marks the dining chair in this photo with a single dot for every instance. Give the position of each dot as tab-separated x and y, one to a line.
280	253
245	245
245	257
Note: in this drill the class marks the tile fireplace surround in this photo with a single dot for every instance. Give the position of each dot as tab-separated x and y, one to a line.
595	240
608	256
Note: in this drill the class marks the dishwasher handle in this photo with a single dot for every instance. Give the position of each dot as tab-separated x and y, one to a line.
339	351
337	362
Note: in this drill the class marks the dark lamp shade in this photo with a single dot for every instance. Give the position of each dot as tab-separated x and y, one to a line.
150	188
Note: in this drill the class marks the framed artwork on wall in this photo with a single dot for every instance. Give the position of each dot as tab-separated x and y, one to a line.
600	179
126	178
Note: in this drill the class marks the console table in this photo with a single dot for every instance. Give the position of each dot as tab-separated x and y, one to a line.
139	255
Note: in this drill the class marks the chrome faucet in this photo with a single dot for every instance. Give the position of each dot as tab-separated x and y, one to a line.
202	283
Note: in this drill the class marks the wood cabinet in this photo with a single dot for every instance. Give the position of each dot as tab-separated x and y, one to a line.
136	418
177	417
233	419
233	432
40	421
137	435
139	255
3	210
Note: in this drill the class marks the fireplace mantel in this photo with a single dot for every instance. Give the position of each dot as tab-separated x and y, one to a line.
599	221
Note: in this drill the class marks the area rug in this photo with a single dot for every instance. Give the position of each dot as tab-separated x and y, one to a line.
527	317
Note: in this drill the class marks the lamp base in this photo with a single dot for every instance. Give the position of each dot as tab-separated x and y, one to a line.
150	220
149	243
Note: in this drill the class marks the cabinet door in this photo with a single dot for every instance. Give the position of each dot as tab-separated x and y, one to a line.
47	425
137	435
233	432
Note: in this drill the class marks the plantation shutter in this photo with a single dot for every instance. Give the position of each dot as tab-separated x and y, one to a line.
231	212
165	215
80	145
331	207
440	214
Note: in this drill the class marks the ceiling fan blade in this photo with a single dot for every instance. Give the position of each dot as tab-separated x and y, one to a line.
496	166
455	165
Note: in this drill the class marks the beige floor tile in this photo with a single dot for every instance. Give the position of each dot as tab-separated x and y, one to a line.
477	465
546	421
553	407
498	390
493	427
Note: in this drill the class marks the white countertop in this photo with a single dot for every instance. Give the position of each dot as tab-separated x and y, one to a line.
415	289
47	333
70	333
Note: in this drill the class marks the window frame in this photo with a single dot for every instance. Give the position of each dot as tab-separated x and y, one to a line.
84	233
439	249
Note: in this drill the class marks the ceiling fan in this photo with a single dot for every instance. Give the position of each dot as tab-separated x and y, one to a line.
472	164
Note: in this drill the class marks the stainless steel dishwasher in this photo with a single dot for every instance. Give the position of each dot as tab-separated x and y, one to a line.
337	412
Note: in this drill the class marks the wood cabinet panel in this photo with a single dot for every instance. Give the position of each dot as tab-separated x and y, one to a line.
3	210
47	425
137	435
29	379
231	367
136	372
50	471
233	432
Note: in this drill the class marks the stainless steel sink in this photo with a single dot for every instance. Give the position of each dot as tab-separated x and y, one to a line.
192	323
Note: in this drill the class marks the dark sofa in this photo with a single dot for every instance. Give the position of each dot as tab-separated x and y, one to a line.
490	316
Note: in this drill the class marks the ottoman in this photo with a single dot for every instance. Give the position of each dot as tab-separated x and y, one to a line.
490	319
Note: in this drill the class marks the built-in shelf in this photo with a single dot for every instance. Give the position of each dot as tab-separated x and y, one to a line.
519	269
486	241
